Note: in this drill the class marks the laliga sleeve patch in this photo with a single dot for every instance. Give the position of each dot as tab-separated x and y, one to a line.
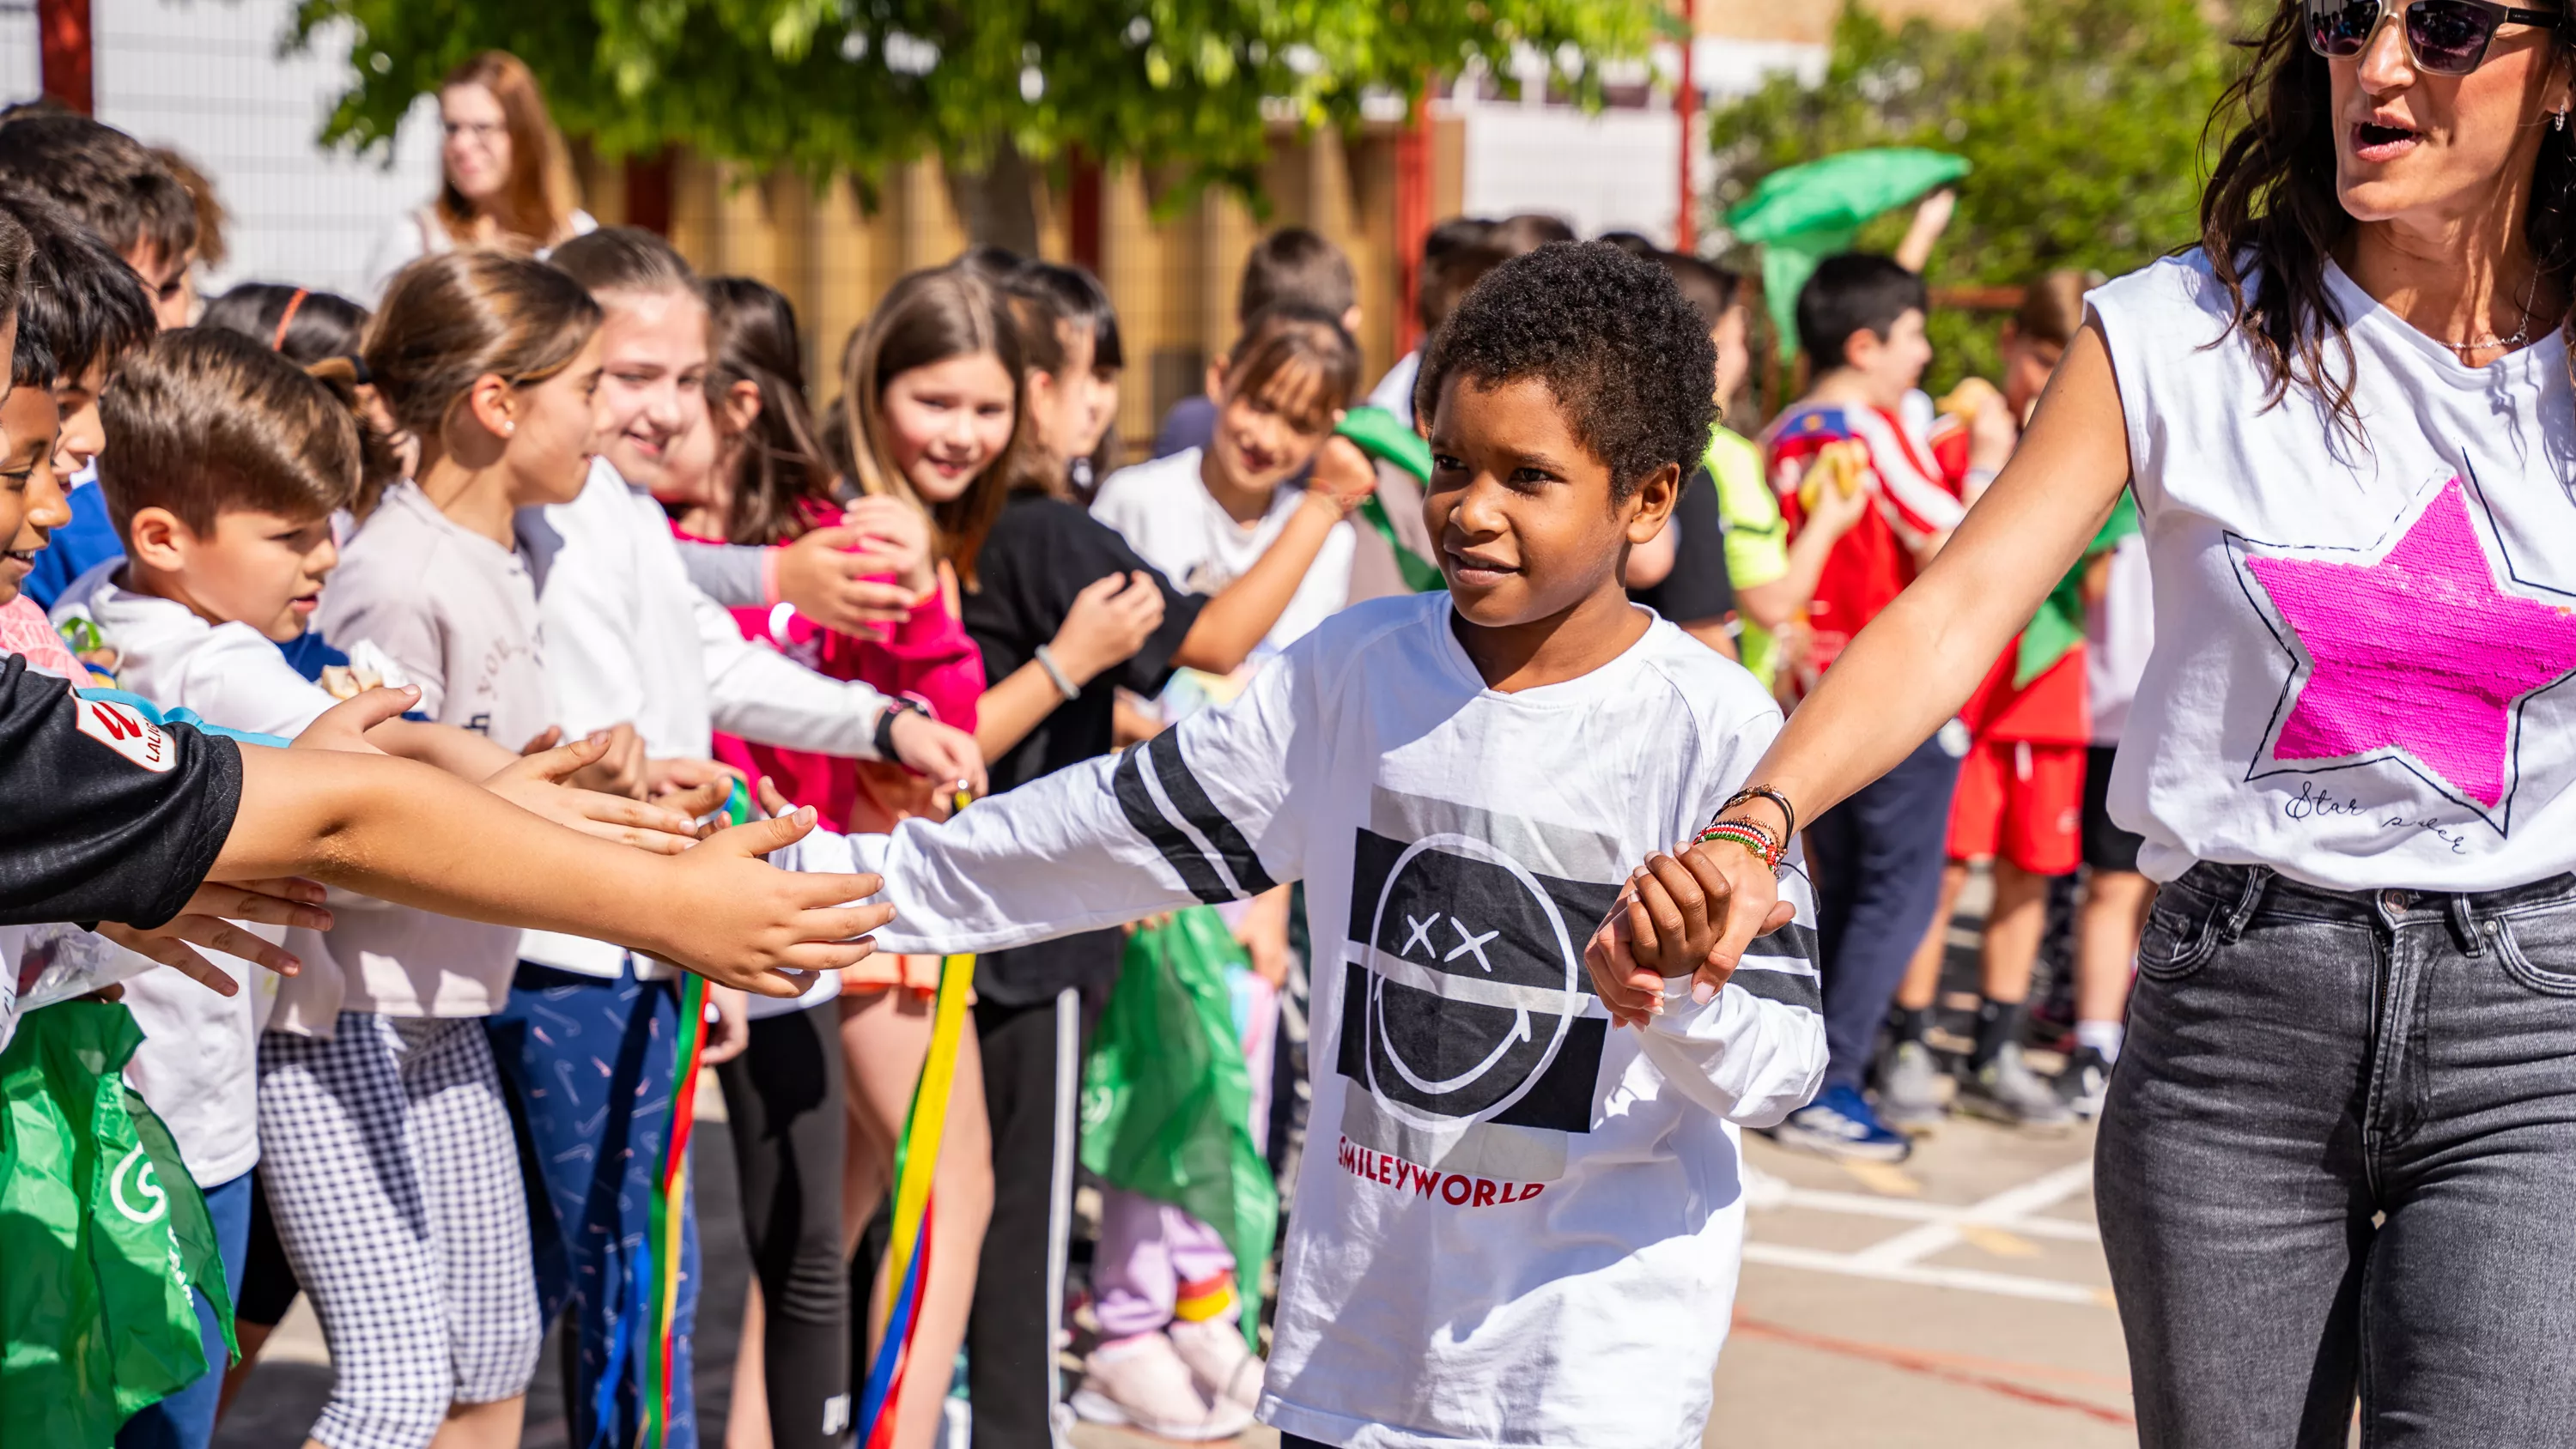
122	729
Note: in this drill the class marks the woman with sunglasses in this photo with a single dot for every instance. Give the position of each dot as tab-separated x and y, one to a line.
2339	1155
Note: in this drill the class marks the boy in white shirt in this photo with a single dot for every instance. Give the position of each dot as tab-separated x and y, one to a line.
1529	1228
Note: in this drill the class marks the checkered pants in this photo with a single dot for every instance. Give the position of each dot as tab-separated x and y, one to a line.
394	1181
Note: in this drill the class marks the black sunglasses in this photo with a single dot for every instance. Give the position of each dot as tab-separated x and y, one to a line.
2447	37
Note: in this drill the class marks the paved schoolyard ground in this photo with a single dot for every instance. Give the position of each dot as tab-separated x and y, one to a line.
1958	1299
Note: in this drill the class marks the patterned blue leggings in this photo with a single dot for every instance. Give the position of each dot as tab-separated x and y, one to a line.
587	1064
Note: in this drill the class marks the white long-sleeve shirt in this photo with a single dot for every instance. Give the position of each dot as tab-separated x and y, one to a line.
1527	1226
629	639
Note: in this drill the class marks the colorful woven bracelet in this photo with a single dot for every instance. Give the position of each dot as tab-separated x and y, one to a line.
1750	793
1751	836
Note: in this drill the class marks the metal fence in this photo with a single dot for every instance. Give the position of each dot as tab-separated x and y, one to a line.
208	80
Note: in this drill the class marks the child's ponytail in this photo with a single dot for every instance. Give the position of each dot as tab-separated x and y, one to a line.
380	464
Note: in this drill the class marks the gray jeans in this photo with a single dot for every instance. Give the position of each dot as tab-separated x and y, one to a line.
2339	1158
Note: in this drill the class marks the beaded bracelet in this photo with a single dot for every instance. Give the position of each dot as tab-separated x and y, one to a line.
1749	834
1788	812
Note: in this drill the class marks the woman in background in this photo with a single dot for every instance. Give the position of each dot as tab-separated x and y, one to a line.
505	175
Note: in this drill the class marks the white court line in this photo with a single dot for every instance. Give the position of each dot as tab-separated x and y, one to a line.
1862	1205
1899	1259
1850	1265
2004	1210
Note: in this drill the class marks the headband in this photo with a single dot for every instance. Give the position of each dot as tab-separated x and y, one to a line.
278	342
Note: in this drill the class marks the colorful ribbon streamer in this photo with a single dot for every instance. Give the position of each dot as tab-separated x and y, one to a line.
668	1214
916	1163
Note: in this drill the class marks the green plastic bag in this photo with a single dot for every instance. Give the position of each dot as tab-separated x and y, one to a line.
103	1233
1800	215
1385	437
1167	1100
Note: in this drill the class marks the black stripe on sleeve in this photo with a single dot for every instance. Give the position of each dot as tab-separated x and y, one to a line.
1789	988
1182	788
1147	818
1790	940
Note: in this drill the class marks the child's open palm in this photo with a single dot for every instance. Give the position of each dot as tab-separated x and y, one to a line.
538	783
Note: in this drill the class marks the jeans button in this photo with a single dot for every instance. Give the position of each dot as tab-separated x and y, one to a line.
2395	901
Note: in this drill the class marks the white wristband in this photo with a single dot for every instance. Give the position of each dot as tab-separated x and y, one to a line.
1055	672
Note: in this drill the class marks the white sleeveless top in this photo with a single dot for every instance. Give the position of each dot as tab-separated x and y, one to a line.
2362	649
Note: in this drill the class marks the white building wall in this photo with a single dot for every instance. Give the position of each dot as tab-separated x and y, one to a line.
1619	169
207	80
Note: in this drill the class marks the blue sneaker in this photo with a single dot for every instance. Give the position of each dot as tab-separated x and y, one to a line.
1840	1123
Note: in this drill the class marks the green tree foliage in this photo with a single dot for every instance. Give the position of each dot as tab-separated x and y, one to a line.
829	86
2084	120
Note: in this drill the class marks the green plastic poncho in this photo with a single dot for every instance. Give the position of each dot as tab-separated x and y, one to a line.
1800	215
102	1234
1167	1099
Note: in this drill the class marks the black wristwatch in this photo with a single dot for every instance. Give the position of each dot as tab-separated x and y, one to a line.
894	710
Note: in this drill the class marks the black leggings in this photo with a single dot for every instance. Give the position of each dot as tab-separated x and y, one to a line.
783	1101
1032	1070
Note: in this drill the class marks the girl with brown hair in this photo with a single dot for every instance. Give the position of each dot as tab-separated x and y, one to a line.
490	362
505	176
2333	1162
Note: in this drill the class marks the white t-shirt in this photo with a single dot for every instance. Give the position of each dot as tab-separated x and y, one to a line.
1167	515
2119	634
2362	644
197	1065
1526	1227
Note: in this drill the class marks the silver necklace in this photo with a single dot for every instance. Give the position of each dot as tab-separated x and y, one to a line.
2521	334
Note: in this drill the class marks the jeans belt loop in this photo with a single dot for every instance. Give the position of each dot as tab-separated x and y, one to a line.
2464	927
2249	899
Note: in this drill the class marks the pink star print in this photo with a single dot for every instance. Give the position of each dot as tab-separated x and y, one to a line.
2421	651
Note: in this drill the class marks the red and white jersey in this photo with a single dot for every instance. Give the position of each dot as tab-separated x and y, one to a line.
1913	480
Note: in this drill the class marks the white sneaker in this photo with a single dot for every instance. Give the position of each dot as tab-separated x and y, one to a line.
1222	1366
1143	1384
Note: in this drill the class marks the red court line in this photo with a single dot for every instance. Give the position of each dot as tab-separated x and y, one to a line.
1953	1368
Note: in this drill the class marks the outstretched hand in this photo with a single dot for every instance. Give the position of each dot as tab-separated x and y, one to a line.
1690	913
941	752
735	920
344	725
831	584
208	920
538	784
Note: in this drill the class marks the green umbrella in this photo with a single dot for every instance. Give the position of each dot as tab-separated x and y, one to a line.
1800	215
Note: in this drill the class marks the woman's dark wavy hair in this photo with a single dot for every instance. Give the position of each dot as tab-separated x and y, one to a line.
2270	212
779	463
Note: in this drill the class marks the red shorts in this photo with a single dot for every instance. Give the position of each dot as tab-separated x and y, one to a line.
2022	802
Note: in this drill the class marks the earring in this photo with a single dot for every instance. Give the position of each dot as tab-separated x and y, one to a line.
511	425
2558	122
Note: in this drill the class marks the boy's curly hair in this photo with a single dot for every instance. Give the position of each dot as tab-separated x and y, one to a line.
1609	333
